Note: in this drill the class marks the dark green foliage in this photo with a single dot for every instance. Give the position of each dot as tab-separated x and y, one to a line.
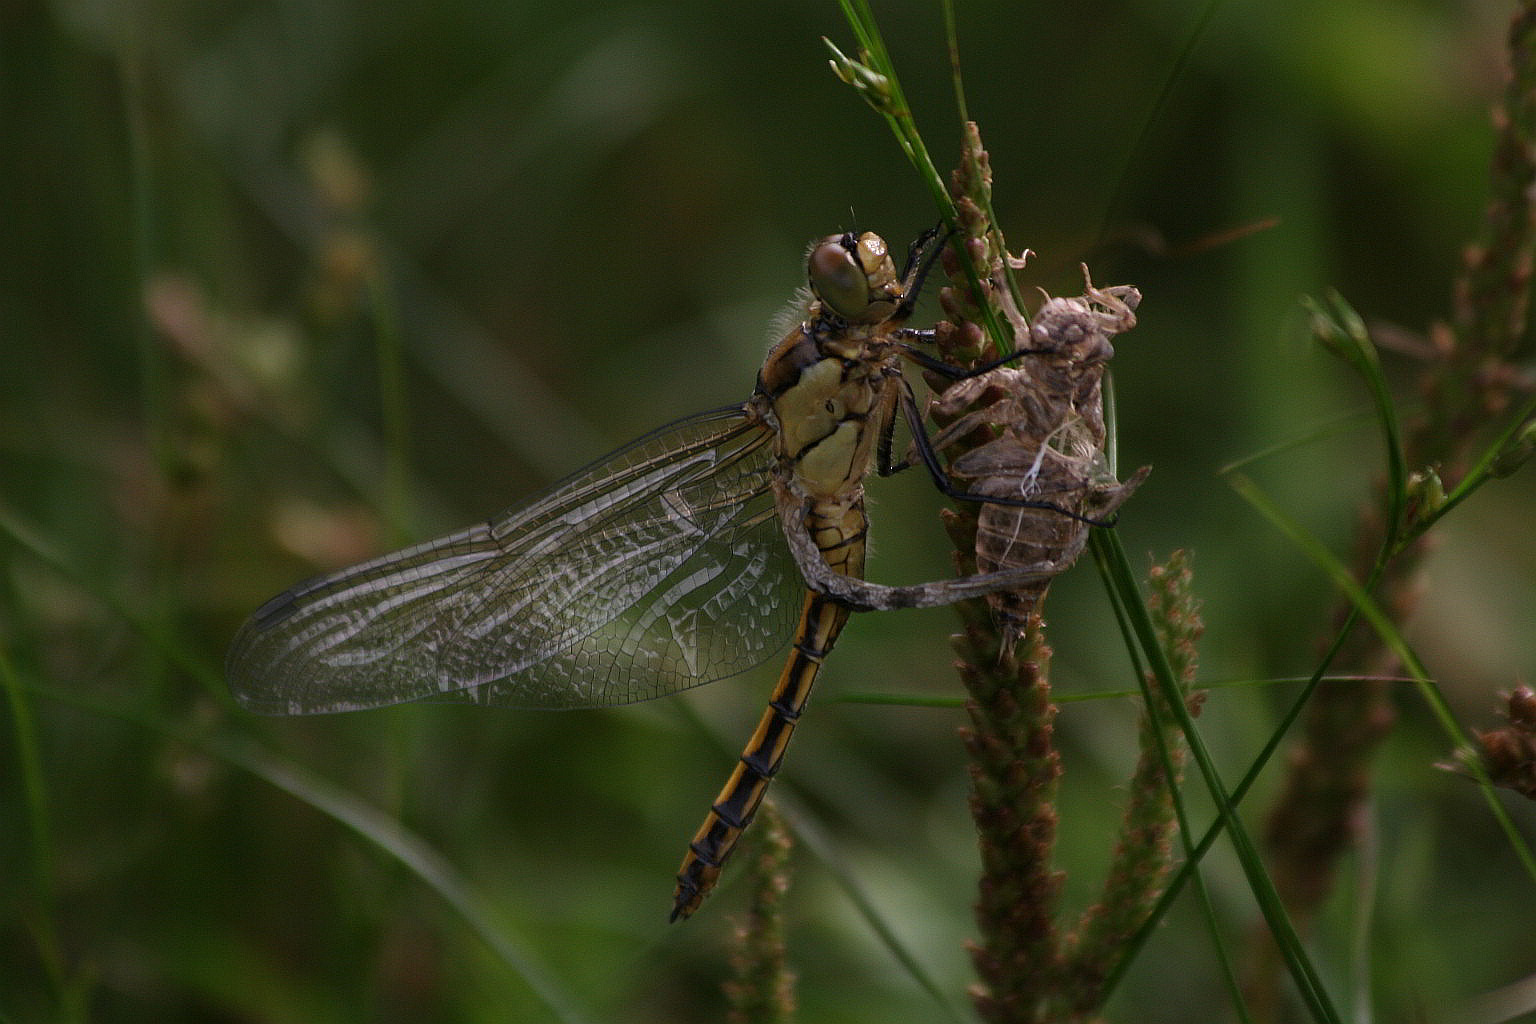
225	223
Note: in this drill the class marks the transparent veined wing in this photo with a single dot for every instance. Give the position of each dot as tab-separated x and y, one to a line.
656	568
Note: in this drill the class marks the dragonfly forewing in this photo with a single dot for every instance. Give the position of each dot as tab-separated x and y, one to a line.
657	568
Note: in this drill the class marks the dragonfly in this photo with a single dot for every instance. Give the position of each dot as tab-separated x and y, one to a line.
687	556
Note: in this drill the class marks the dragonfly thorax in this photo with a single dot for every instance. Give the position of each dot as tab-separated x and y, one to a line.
829	381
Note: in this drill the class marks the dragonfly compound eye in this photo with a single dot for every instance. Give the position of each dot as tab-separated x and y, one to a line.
838	279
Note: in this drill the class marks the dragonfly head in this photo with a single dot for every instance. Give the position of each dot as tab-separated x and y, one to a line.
854	278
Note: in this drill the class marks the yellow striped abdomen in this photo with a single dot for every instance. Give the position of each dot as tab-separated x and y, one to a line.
840	535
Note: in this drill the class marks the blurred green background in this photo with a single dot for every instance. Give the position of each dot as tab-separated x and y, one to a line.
577	221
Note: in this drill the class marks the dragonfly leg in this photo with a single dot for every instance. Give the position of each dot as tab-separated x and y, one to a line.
921	256
864	596
925	446
950	370
885	464
930	458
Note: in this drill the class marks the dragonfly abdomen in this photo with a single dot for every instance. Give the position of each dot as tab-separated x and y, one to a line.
733	810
